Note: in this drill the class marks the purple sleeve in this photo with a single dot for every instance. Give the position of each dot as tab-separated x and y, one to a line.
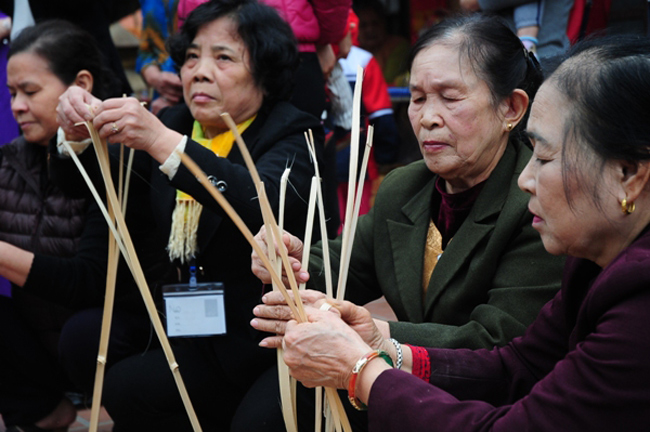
601	384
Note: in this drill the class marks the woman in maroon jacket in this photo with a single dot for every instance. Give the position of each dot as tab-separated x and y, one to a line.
583	364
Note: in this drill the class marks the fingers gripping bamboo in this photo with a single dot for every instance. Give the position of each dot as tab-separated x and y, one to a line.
200	175
295	306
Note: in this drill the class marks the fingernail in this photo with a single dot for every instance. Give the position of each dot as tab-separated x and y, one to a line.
256	310
263	343
304	275
254	323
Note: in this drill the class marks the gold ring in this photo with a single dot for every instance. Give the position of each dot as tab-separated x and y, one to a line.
114	129
326	306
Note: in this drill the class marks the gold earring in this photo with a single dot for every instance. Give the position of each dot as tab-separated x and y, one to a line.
627	208
509	127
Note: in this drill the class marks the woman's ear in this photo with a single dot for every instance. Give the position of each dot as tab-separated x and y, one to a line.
635	177
84	80
516	107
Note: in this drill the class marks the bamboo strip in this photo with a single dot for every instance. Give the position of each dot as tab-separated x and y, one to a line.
352	174
120	176
318	418
283	197
202	178
129	167
345	259
302	316
264	202
242	148
321	217
309	226
95	195
293	305
287	396
101	149
109	301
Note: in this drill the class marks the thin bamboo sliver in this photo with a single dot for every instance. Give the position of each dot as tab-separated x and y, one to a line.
101	149
345	259
321	218
352	175
293	305
309	226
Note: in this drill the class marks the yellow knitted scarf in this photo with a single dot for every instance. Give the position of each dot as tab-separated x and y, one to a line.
182	242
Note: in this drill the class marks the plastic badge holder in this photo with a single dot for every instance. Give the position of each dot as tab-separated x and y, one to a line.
195	310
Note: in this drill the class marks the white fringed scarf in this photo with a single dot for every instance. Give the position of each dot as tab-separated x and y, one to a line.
182	242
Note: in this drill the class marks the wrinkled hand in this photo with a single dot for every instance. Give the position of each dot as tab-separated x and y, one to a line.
294	251
76	105
323	351
273	315
118	120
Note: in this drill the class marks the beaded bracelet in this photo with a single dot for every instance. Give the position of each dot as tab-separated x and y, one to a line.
398	351
356	370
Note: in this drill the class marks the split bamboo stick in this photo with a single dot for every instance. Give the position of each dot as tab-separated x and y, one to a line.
102	152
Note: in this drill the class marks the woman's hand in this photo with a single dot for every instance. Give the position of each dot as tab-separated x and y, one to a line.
273	315
168	84
122	120
294	251
323	351
76	105
126	121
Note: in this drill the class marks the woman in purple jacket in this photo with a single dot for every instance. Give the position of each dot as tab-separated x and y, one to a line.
583	364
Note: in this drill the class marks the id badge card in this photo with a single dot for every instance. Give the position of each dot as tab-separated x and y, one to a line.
195	310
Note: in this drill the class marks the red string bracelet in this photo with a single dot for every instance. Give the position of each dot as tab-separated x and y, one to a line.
356	370
421	364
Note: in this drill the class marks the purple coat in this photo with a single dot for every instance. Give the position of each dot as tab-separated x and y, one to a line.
583	365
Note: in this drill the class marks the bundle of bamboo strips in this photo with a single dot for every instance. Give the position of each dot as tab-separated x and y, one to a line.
120	241
338	419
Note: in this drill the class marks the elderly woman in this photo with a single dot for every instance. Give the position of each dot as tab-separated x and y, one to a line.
471	82
583	364
236	57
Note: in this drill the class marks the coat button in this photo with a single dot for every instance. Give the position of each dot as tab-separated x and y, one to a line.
222	186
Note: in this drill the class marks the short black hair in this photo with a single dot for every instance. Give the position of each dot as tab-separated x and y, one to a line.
606	81
494	52
67	49
268	38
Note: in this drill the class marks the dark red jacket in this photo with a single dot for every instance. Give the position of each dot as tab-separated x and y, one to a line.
583	365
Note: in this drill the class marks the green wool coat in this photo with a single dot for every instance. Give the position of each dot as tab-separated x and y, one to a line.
491	280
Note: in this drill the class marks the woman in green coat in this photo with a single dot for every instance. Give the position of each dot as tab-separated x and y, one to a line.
449	241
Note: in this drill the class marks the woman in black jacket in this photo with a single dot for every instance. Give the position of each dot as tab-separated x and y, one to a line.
51	244
236	57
